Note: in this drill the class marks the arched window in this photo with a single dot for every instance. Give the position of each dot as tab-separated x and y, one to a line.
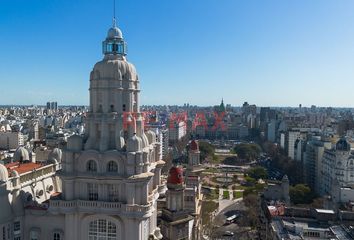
102	229
91	166
112	166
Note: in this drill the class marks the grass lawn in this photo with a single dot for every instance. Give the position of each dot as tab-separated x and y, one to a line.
240	187
211	170
238	194
226	194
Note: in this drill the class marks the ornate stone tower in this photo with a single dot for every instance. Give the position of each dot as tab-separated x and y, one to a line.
111	176
194	154
176	223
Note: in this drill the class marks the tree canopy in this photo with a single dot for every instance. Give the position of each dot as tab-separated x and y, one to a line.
248	151
206	150
301	194
258	172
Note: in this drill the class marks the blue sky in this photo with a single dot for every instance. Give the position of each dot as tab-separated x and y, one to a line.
267	52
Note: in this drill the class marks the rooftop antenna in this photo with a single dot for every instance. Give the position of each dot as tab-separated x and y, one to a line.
114	13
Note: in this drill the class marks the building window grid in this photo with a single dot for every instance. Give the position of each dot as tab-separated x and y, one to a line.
92	190
17	226
112	166
102	229
91	166
113	193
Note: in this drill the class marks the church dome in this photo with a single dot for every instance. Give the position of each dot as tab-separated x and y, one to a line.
114	32
114	68
4	174
194	146
175	176
342	145
56	154
21	154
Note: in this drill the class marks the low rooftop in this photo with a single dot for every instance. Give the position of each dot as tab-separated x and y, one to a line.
22	167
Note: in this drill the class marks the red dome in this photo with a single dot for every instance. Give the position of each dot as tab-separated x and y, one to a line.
175	176
194	145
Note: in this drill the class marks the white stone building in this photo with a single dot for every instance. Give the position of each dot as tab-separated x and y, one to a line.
337	166
25	189
110	178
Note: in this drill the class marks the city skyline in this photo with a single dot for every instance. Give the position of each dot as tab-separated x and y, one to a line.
270	54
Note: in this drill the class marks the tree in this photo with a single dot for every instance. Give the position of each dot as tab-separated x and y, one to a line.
258	172
251	201
206	150
270	148
301	194
248	151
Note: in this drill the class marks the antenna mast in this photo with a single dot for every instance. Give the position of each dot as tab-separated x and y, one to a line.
114	13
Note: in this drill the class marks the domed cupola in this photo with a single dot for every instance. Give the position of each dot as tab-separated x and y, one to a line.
194	146
21	155
114	43
175	176
343	145
134	144
151	136
56	154
4	174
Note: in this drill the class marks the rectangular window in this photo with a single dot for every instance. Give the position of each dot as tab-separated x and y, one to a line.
56	236
113	193
17	228
92	190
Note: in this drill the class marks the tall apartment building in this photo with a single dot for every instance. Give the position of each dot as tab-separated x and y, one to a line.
272	130
292	140
313	161
177	131
11	140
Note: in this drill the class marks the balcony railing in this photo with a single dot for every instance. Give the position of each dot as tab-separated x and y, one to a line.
96	206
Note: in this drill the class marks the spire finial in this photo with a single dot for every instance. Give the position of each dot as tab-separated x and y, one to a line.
114	14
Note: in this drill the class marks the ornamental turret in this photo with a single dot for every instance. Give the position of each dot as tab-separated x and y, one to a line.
114	43
114	98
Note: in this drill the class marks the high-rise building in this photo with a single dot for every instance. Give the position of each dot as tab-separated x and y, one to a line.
313	161
271	130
